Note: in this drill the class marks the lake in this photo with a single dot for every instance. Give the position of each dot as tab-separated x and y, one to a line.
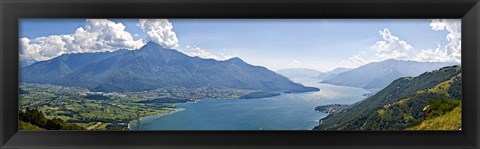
284	112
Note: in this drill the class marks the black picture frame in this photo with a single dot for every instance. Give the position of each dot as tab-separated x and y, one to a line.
12	10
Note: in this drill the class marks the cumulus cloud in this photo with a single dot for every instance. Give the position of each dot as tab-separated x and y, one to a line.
391	47
434	55
98	35
195	51
160	31
450	52
354	61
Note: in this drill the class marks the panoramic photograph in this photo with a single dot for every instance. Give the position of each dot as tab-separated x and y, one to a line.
240	74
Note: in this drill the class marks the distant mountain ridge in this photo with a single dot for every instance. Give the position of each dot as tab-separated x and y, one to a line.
151	67
310	73
377	75
330	74
299	72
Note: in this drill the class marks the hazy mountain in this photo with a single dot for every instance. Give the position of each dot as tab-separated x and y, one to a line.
329	74
51	70
377	75
299	72
310	73
25	63
405	103
153	67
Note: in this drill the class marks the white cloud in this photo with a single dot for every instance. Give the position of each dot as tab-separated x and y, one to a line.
296	62
98	35
199	52
433	55
450	52
159	31
391	47
293	63
354	61
42	48
438	24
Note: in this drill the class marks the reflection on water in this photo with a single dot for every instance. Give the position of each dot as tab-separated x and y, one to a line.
284	112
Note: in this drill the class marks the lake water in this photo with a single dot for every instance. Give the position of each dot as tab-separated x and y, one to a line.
284	112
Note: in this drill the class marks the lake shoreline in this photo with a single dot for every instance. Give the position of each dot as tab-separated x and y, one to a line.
152	117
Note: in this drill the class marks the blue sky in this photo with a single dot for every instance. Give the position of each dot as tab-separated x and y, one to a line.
321	44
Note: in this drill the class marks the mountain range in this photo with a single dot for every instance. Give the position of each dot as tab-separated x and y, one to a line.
152	67
310	73
330	74
377	75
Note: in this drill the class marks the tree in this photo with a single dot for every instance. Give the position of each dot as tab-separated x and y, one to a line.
33	119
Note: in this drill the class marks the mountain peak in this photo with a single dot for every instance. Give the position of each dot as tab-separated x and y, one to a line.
151	44
235	59
155	48
390	61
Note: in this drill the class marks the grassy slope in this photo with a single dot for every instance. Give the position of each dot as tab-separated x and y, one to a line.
27	126
449	121
405	108
396	107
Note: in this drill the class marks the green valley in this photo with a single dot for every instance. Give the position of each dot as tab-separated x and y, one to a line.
106	111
